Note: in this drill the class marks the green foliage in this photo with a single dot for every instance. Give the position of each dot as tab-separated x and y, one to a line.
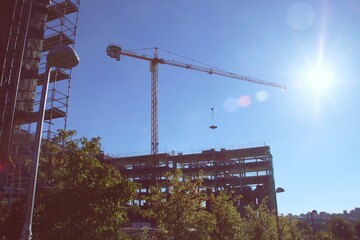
357	228
324	235
11	220
229	224
260	223
291	229
82	198
305	227
341	228
179	213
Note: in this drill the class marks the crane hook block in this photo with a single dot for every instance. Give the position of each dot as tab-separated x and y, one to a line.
113	51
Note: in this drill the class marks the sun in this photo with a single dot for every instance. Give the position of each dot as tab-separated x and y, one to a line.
319	78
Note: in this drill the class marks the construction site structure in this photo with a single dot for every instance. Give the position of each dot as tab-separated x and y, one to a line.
115	51
245	171
31	29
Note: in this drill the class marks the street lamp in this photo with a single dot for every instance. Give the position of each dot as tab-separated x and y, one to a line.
61	56
312	222
278	190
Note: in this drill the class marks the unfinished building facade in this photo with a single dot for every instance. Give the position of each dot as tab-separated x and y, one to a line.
246	171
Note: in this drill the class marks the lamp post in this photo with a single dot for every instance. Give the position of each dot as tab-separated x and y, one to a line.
278	190
312	222
61	56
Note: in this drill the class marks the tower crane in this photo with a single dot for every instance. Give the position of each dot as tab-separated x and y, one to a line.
115	51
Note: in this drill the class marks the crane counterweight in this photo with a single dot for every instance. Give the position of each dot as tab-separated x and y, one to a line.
113	51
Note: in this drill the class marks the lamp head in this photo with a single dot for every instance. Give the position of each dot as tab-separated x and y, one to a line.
62	56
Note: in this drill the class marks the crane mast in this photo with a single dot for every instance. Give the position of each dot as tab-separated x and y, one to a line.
115	51
154	105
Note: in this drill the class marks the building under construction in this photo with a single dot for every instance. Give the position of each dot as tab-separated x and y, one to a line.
29	30
246	171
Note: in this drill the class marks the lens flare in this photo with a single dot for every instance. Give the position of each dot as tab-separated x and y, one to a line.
230	104
244	101
300	16
262	96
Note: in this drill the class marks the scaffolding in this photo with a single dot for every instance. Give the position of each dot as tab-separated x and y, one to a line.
48	23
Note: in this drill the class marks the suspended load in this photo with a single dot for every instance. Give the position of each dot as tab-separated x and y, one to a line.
212	116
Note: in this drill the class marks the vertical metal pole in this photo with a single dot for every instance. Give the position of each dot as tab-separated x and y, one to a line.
27	231
277	225
278	190
277	219
154	104
312	224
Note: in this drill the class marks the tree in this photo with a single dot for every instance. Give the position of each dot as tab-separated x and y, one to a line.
82	198
11	219
357	229
260	222
305	227
324	235
290	229
180	213
341	228
229	224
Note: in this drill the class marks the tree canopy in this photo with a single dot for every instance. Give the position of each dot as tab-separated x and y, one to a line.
182	210
180	213
77	197
229	224
82	198
341	228
260	223
293	229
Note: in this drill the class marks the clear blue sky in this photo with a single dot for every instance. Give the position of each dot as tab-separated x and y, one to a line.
313	132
